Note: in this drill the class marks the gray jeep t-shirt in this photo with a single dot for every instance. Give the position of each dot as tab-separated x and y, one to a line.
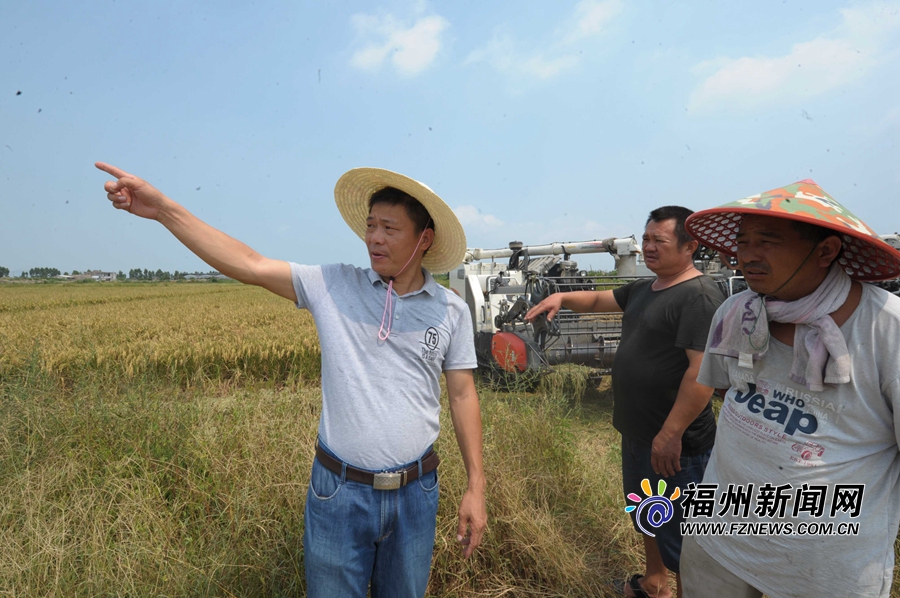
774	431
381	399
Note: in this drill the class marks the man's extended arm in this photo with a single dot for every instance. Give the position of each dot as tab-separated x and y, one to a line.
226	254
665	456
466	415
578	301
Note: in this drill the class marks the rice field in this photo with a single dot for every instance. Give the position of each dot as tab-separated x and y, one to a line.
156	440
183	332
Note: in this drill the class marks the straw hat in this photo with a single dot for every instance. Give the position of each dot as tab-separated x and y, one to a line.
354	189
864	256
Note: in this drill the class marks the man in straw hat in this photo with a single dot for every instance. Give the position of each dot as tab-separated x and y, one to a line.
665	418
386	334
808	363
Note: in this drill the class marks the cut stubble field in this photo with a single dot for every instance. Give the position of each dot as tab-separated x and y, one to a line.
156	439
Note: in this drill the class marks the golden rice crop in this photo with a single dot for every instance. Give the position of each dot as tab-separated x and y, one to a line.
151	489
183	331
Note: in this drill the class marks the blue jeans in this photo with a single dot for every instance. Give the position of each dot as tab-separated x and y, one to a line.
636	467
355	534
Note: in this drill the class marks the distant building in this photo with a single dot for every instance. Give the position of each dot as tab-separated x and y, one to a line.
205	277
97	275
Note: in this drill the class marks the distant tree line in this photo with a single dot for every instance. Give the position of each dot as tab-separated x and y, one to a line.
134	274
139	274
43	272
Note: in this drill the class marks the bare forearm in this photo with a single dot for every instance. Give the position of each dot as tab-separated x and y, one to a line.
590	301
691	401
466	416
225	254
692	398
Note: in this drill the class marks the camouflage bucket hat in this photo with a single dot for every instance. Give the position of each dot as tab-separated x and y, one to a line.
865	256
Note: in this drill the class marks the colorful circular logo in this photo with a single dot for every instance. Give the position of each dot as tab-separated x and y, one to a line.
654	509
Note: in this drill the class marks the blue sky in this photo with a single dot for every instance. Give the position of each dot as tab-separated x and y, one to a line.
535	121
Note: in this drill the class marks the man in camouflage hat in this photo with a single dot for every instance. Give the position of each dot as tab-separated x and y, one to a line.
806	446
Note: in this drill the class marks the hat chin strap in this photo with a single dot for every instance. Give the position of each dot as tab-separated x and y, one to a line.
762	303
791	277
388	314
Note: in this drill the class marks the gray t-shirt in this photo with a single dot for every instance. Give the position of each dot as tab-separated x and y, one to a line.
381	399
772	430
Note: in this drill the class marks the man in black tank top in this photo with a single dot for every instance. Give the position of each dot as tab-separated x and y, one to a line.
663	413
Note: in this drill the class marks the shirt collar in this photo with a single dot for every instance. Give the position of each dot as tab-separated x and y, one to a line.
429	287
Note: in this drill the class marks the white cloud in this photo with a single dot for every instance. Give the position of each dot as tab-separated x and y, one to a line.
544	68
588	19
861	42
409	48
891	118
501	54
472	217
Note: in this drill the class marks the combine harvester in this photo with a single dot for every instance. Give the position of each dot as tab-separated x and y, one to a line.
499	294
891	285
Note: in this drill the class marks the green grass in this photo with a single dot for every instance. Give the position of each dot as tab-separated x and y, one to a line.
141	492
146	489
442	279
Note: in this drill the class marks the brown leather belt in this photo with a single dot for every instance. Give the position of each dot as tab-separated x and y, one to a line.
390	480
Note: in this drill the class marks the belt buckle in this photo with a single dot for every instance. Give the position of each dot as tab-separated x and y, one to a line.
389	480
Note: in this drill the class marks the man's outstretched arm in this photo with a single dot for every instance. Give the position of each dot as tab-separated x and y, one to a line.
225	254
577	301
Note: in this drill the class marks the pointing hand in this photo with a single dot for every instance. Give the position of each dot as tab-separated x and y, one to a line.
132	194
